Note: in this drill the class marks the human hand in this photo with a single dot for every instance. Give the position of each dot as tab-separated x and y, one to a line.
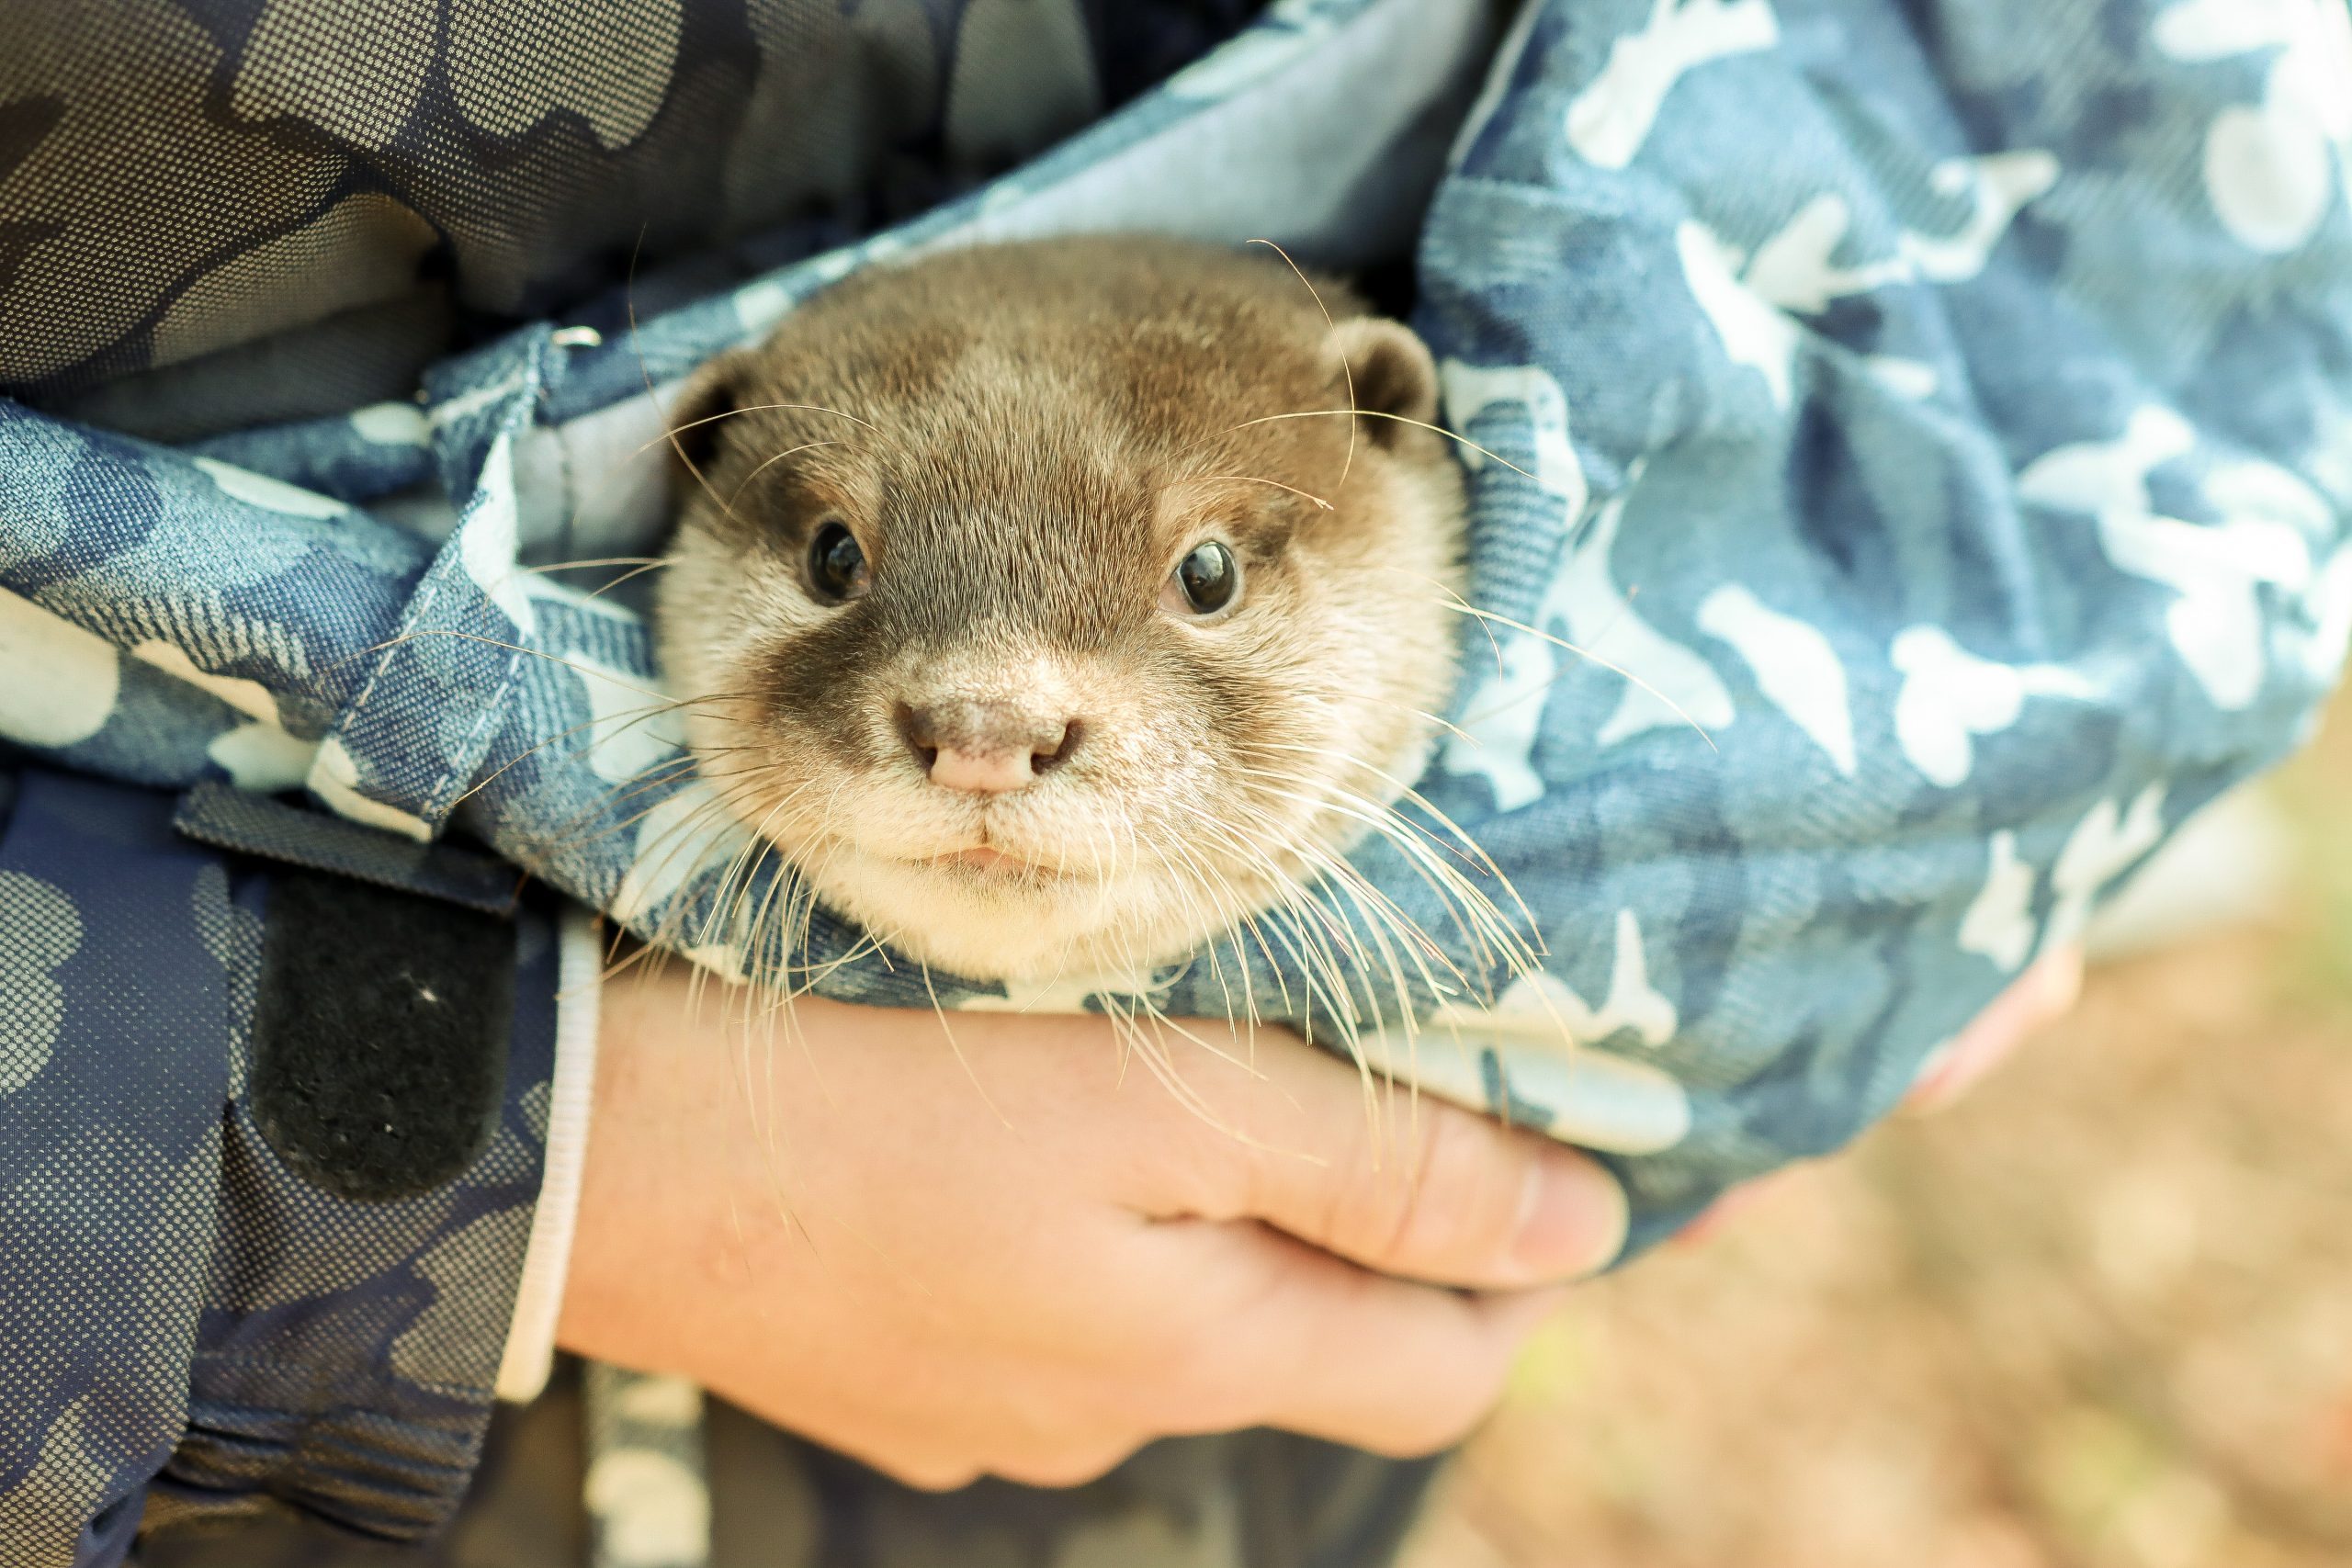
838	1231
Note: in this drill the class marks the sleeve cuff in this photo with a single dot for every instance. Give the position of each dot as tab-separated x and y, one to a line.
530	1356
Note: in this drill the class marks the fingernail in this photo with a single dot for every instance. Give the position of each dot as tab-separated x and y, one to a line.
1572	1218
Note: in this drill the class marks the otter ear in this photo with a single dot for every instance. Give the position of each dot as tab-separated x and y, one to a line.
1392	374
700	413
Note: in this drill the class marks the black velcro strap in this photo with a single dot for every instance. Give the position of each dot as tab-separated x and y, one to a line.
231	818
380	1034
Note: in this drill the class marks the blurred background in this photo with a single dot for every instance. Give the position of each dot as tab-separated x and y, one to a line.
2096	1315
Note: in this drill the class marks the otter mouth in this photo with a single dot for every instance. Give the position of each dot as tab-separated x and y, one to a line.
985	864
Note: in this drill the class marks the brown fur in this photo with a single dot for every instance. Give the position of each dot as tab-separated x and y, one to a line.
1026	440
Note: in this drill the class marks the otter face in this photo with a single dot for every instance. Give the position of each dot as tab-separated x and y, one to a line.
999	615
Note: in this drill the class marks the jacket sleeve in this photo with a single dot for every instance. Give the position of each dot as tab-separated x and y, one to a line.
187	1325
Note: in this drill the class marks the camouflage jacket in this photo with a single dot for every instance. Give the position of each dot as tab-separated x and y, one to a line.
1931	424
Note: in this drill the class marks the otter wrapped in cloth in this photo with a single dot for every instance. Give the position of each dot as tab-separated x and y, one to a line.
1041	606
1938	500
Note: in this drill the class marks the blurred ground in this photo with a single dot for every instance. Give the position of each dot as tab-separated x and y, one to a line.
2099	1316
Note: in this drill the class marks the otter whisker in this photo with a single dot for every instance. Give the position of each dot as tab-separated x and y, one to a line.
686	833
763	467
1252	922
639	565
965	1062
583	565
1454	596
756	940
735	883
1254	479
668	435
1461	606
691	830
1481	925
680	767
1216	887
1379	918
456	634
1315	941
1518	957
1163	1067
636	717
1469	845
1588	656
630	575
1377	413
1332	328
1384	919
758	407
1435	721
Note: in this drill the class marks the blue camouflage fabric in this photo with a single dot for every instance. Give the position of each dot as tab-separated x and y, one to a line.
1911	472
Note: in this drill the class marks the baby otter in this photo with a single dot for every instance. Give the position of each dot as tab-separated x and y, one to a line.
1017	610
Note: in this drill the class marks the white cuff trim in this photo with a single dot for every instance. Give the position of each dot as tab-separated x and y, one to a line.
546	1260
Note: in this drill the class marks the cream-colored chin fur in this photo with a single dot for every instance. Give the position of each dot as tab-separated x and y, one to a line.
1068	929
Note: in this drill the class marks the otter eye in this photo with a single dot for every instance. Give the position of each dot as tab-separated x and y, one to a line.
1207	578
837	567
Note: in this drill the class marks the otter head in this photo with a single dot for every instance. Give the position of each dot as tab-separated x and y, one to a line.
1006	611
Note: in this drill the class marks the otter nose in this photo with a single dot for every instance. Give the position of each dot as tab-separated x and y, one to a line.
984	748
